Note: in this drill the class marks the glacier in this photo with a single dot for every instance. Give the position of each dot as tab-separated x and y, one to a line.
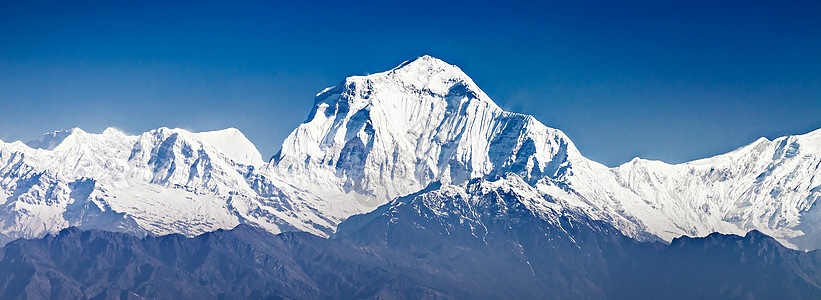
372	139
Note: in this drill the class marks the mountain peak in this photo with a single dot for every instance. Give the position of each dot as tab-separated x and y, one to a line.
392	133
423	75
51	140
230	141
423	62
234	143
113	131
430	74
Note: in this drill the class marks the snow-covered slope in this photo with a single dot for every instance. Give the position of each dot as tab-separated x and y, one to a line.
384	135
368	140
160	182
771	186
373	138
163	181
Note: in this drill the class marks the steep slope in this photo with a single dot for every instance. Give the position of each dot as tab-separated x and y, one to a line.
374	138
163	181
160	182
771	186
367	140
392	133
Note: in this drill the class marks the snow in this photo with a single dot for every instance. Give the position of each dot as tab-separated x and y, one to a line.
162	181
425	121
767	185
371	139
392	133
810	142
50	140
234	144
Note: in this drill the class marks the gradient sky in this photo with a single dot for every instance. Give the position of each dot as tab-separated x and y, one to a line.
673	81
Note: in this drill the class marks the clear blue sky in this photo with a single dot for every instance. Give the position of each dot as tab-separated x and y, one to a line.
675	81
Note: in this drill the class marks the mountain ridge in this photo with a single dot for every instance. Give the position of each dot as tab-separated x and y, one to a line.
373	138
518	259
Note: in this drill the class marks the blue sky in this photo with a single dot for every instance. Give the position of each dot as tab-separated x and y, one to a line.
673	81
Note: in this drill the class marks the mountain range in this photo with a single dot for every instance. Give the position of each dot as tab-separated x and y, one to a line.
408	249
371	139
410	183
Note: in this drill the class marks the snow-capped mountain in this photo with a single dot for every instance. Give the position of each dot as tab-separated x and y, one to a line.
163	181
160	182
392	133
771	186
374	138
